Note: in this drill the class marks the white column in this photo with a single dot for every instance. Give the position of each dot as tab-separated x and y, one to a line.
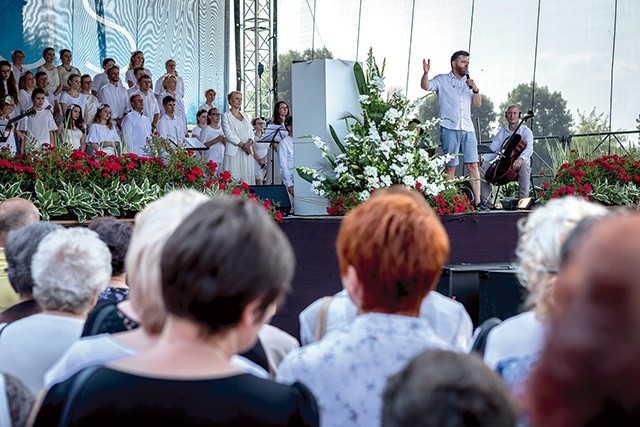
324	91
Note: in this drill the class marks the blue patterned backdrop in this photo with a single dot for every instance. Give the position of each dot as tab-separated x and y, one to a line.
190	31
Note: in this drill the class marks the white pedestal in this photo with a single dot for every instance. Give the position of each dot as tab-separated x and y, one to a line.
324	91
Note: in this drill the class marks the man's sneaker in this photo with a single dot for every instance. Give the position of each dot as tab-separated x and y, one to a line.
482	206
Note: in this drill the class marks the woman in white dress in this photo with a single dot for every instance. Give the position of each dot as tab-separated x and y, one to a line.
103	135
213	137
238	155
54	84
137	60
73	128
66	69
201	123
73	96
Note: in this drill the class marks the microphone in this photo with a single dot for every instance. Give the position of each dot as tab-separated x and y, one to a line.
466	74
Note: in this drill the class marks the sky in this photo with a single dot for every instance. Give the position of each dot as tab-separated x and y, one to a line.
577	53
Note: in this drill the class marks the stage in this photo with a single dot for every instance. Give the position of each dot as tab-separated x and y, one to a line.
480	242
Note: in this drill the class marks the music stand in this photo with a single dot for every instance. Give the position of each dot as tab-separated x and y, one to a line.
273	133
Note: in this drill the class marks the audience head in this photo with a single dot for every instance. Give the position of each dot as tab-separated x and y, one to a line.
70	268
391	251
153	226
22	243
16	213
205	275
588	372
116	235
538	249
445	389
170	67
144	82
16	401
114	74
201	117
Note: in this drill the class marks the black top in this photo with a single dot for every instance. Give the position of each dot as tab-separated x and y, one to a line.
115	398
106	318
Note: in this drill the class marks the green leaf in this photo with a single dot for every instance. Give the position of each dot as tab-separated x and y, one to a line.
334	135
305	175
360	79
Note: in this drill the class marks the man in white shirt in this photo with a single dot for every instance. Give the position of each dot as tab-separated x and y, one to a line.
347	370
170	125
285	156
136	127
151	108
114	95
522	164
456	93
102	79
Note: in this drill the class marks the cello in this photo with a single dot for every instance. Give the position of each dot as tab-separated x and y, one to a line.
500	171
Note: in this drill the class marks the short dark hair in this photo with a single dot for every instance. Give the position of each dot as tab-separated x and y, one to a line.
167	99
204	266
22	243
116	235
440	388
40	74
36	91
105	61
458	54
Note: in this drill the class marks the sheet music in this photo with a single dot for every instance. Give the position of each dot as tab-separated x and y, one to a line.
273	133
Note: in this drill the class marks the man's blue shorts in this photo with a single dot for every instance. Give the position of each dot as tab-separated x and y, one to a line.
456	141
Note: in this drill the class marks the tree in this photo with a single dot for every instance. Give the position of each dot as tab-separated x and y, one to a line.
485	113
284	67
552	117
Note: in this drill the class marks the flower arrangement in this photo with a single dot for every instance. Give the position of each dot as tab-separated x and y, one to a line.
611	179
69	184
380	149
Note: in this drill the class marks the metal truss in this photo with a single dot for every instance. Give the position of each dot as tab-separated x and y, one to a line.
256	54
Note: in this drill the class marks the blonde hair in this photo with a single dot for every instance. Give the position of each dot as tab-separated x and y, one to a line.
154	226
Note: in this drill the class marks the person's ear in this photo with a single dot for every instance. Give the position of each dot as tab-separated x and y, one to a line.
351	282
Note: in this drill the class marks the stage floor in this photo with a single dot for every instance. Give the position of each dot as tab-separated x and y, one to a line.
476	238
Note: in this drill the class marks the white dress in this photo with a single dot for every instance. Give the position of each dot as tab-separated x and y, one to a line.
72	137
236	161
99	133
216	151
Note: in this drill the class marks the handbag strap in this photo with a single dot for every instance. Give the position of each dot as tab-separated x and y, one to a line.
321	322
74	391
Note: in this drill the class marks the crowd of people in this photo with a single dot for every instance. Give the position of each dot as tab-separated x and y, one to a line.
58	105
161	322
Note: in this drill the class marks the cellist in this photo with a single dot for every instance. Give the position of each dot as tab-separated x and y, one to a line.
522	164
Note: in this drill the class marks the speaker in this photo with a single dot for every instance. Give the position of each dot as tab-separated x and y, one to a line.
278	195
501	295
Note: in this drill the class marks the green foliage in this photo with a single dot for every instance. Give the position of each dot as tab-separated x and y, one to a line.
552	117
284	67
